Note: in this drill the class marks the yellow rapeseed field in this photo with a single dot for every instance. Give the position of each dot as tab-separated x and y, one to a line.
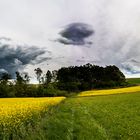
110	91
15	111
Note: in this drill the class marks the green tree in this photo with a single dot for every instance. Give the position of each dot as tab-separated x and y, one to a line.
5	86
22	86
5	77
38	72
54	75
89	76
48	77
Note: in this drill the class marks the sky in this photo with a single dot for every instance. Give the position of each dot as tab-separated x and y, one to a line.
51	34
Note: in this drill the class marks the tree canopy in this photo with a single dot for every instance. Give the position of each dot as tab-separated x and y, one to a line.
89	76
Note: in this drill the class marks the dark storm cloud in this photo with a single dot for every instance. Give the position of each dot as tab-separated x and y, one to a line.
131	66
14	58
66	41
75	34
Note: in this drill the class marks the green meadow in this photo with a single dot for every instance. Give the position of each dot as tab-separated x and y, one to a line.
106	117
134	81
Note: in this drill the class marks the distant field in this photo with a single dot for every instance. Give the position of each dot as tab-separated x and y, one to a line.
110	91
133	80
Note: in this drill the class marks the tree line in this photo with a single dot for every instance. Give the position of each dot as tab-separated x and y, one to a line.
89	76
61	82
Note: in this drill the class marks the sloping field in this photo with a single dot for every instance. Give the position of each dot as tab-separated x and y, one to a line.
110	91
84	117
112	117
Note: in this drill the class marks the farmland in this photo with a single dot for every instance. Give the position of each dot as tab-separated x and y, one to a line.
134	81
110	91
111	116
16	112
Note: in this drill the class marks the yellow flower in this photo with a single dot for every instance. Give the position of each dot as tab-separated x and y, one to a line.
14	111
110	91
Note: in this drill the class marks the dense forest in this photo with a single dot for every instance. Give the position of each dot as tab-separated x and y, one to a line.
89	76
61	82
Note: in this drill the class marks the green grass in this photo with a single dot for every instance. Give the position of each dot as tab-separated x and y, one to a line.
111	117
133	81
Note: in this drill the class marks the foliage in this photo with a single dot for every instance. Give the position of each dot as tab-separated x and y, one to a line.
48	78
62	82
4	77
38	72
21	84
6	87
88	77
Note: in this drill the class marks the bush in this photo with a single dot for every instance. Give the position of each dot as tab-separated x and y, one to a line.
6	91
69	86
54	92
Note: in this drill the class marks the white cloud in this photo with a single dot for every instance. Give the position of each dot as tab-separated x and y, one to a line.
116	25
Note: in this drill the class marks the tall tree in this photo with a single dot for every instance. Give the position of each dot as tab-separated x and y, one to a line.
38	72
19	78
5	77
25	77
48	77
54	75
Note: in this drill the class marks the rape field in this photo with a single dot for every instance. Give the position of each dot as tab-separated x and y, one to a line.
110	91
16	112
86	116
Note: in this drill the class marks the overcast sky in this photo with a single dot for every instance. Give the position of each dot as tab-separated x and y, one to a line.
53	33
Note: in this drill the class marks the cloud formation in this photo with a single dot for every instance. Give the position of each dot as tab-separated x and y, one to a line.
110	28
131	66
13	57
75	34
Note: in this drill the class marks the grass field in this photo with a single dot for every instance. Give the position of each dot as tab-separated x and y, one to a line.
107	117
111	117
133	81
